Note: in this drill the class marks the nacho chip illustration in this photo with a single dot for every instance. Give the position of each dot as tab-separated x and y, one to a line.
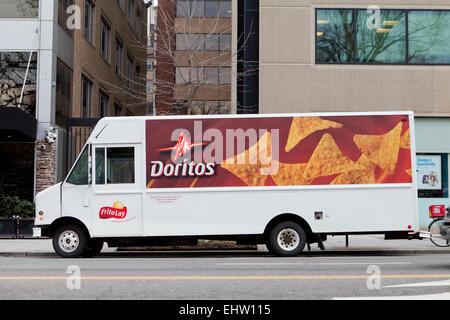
304	126
405	141
362	173
409	172
247	165
291	175
327	160
381	149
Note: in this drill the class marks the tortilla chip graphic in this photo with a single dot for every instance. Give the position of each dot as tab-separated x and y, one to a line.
409	172
362	173
405	140
247	165
291	175
304	126
381	149
327	160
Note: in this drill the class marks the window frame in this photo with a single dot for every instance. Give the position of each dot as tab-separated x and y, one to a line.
354	58
88	81
105	53
118	61
88	33
105	165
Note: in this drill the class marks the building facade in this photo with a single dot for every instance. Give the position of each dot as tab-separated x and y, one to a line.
318	56
109	76
194	55
63	65
33	44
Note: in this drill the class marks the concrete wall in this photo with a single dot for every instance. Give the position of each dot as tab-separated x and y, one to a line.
290	81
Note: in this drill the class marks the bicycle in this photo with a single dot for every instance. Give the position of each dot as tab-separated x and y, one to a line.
435	227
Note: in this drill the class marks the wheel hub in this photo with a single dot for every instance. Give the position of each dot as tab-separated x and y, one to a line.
288	239
69	241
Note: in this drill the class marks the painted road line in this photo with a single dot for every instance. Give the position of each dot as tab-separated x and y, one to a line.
438	296
231	277
308	264
442	283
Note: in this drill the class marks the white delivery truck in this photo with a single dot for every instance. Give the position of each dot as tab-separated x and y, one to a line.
280	180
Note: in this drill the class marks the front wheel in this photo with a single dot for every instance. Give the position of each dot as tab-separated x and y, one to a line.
287	239
70	241
435	233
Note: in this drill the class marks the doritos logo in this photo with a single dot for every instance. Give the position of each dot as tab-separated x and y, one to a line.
117	211
182	147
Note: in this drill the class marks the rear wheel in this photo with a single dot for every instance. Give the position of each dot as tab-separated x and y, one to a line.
286	239
70	241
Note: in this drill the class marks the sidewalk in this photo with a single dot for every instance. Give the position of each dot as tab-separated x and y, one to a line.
373	244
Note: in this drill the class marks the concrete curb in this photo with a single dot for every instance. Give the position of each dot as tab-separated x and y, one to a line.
249	253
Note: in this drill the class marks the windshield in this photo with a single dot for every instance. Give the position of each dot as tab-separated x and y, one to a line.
80	172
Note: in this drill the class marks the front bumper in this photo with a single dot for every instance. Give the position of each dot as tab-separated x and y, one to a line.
37	232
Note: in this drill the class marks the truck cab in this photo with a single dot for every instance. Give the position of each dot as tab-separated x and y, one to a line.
107	174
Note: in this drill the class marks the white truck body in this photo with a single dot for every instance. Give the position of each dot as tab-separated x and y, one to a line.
137	209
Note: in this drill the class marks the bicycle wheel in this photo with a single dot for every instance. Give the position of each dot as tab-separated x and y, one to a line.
435	233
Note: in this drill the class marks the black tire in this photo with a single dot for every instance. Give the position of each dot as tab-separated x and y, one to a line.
286	239
70	241
434	228
93	248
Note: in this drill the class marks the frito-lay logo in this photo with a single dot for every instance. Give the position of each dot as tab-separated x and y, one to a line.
117	211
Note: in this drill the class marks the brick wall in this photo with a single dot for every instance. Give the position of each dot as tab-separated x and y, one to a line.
45	165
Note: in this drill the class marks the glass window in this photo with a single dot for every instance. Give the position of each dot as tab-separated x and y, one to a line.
225	9
432	175
139	25
212	42
211	75
334	38
104	39
100	166
182	8
88	27
182	75
120	4
118	57
86	97
13	68
120	165
129	71
63	16
103	104
10	9
131	12
197	8
428	35
117	110
385	43
225	42
80	172
225	75
63	93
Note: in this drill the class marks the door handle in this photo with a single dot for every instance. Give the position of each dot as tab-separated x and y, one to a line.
85	200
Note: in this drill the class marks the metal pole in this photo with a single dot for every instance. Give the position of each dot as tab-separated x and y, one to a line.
25	78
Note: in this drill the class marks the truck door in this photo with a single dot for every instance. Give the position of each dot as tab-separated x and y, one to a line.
77	189
117	191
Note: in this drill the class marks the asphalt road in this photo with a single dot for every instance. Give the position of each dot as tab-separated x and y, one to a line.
236	276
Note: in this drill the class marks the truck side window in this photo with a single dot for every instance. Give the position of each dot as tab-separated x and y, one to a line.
80	173
120	165
100	166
